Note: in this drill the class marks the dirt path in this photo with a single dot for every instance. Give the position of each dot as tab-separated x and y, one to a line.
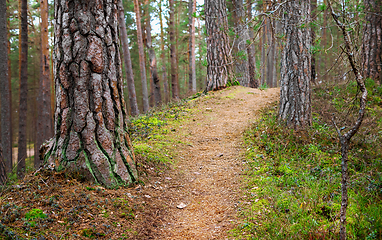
206	179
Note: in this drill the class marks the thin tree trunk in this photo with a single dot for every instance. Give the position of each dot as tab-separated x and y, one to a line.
23	68
163	57
44	122
202	84
91	135
263	49
323	55
192	67
270	53
145	95
219	60
174	76
253	82
372	41
6	121
153	61
313	7
3	172
295	92
240	44
127	58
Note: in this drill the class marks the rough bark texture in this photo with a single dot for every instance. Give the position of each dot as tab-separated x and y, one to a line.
372	41
134	111
6	122
23	68
162	56
153	61
91	134
313	6
3	173
240	44
44	117
192	67
219	59
253	82
174	76
295	92
141	53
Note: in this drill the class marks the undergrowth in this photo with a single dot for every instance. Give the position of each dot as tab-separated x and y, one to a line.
293	177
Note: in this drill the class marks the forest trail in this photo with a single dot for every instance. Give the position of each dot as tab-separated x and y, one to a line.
206	177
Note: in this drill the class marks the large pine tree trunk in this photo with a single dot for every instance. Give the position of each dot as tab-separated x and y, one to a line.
295	92
23	68
44	117
219	60
162	56
127	58
253	82
91	135
372	41
240	44
174	76
153	60
142	64
6	121
192	67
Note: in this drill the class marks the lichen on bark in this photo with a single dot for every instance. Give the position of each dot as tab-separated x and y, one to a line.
91	136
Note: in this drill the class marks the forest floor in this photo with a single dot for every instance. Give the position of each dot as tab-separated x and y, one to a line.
197	195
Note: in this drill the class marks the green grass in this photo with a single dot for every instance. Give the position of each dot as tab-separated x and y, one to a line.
293	178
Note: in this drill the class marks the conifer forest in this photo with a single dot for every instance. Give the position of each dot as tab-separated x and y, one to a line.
193	119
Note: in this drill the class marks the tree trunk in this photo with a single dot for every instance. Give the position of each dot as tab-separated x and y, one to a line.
127	58
323	55
162	56
6	121
270	53
219	59
23	68
192	67
142	64
153	60
3	173
313	6
263	48
44	117
240	44
174	76
295	92
253	82
91	135
372	42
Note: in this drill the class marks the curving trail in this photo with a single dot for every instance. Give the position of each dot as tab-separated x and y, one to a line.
206	178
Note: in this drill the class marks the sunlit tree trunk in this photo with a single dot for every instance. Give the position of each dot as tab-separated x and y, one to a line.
192	66
174	76
91	135
6	121
145	95
23	68
253	81
219	60
153	60
240	44
44	129
127	58
163	58
295	93
372	41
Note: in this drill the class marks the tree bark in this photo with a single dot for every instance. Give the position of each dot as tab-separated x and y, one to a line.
174	76
313	6
295	92
44	117
192	66
91	136
372	41
253	81
127	58
219	59
23	68
270	53
6	121
263	49
153	60
3	173
240	44
142	64
162	56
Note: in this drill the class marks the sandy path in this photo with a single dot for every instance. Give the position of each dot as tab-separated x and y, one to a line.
207	176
